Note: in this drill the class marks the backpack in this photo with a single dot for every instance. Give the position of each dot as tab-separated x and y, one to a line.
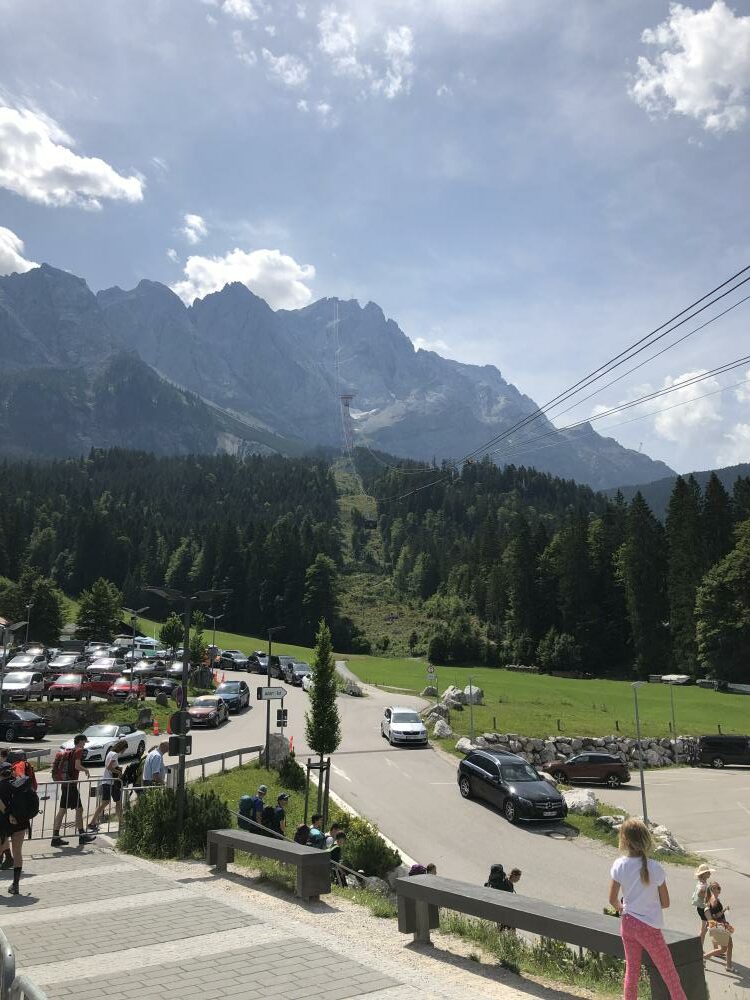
268	818
316	838
498	879
130	775
417	870
21	767
24	802
62	765
245	811
301	834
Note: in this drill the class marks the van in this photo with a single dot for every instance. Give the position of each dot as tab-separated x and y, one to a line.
720	750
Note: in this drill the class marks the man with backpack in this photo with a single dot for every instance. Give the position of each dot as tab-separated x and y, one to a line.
66	767
19	804
315	835
22	768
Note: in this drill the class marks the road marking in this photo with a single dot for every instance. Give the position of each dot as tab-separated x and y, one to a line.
744	808
390	763
442	782
713	850
340	773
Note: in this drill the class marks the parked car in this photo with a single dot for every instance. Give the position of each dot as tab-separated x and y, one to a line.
114	664
101	738
403	727
236	694
27	661
600	767
94	649
168	685
174	671
121	689
308	683
720	750
299	670
233	659
74	686
100	682
208	710
17	723
68	663
256	663
36	647
510	783
285	666
275	667
22	685
150	668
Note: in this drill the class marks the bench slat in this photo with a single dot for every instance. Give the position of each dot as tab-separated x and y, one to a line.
313	865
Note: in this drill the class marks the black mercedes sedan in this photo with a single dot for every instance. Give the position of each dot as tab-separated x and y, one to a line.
507	781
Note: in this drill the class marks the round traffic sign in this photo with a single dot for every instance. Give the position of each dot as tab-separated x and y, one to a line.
430	669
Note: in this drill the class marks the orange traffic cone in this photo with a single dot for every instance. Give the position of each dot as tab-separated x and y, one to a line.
156	727
169	726
291	744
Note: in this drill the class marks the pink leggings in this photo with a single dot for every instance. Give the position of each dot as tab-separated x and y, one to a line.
635	937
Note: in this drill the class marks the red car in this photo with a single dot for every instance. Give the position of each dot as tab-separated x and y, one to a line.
590	766
74	686
122	689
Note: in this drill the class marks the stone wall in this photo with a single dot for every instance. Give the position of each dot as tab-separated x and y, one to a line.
657	753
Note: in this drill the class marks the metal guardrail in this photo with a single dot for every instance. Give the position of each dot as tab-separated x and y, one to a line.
90	792
223	757
13	987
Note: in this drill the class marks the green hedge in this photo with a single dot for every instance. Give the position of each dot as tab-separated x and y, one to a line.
150	826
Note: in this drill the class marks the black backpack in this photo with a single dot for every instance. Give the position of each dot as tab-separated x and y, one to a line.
268	818
498	879
24	802
301	834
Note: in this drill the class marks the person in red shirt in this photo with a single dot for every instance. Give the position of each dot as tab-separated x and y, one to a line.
70	797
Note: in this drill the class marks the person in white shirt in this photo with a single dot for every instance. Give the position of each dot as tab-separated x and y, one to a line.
638	891
153	768
110	785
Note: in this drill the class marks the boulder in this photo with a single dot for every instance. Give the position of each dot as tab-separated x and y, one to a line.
278	751
399	872
581	801
490	737
453	704
162	699
441	729
473	695
378	885
464	745
576	744
501	738
452	693
353	689
610	822
439	711
429	692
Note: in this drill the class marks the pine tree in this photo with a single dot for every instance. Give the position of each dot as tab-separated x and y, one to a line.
46	617
684	570
741	499
322	722
716	522
320	602
641	568
723	613
99	612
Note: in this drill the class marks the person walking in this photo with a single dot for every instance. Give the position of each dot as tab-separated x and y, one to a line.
638	891
13	828
256	805
336	852
66	769
700	894
153	768
279	818
719	928
331	835
110	785
315	835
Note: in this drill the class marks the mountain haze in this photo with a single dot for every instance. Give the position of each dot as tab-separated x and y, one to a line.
260	379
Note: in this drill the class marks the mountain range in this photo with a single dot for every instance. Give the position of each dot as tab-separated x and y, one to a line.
140	369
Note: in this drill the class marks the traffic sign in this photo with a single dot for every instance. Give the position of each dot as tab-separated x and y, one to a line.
179	695
175	723
271	694
282	716
430	669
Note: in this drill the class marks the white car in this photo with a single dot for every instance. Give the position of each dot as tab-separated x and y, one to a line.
22	686
101	739
307	683
28	661
403	727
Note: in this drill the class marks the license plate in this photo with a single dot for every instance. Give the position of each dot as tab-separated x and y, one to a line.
550	812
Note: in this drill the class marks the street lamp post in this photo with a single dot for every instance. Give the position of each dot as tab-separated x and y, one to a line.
635	685
674	723
188	601
271	633
29	606
6	629
214	619
134	615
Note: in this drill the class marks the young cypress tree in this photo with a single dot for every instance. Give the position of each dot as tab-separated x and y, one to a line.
322	722
684	570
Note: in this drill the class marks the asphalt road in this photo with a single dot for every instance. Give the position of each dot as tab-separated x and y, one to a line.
413	797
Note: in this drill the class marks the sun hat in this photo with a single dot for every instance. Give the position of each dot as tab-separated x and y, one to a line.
704	870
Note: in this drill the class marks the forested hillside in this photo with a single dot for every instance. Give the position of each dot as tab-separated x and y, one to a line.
514	566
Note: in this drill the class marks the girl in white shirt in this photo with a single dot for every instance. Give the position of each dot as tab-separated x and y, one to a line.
638	891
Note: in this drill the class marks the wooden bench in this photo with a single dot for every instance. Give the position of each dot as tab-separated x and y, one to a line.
313	865
421	897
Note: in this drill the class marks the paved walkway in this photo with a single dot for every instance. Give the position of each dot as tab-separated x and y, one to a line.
91	923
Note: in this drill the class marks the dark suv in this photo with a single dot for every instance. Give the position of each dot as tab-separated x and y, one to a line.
509	782
720	750
601	767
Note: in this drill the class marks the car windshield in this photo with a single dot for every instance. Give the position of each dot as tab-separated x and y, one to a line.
122	682
17	678
229	687
232	652
22	658
408	717
207	702
64	658
95	731
301	668
69	679
519	772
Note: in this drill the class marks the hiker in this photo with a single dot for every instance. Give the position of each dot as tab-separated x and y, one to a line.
280	814
700	895
19	804
257	802
497	879
638	891
331	835
336	851
719	929
514	877
133	776
315	836
66	767
418	869
21	768
110	785
153	768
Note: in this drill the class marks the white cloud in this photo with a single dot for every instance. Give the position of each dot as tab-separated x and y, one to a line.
338	39
36	163
11	254
439	346
399	46
161	164
679	423
275	276
173	255
286	68
241	10
271	30
444	91
194	228
242	50
742	393
736	448
702	70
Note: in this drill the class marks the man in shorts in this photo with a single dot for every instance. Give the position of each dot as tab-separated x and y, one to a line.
110	785
70	797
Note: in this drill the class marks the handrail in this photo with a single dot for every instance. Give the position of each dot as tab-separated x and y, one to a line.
223	757
23	989
7	966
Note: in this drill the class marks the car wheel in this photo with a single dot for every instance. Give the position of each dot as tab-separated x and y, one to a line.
9	735
216	722
510	811
717	762
558	776
464	787
78	697
614	780
141	749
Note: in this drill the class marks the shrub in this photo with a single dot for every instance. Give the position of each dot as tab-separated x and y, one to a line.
150	826
365	849
292	775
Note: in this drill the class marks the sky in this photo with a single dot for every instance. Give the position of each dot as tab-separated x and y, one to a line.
523	183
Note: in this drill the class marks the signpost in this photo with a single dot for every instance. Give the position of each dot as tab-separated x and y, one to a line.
271	693
281	718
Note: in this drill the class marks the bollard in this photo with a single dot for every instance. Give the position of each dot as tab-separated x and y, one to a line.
494	723
617	725
559	727
720	732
